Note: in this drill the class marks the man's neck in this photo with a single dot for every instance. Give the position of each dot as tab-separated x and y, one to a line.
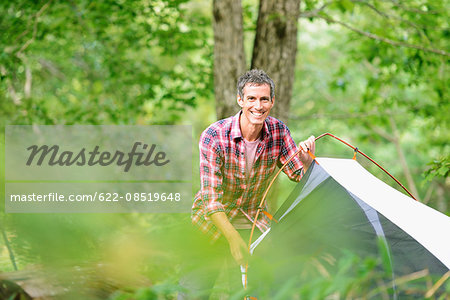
250	132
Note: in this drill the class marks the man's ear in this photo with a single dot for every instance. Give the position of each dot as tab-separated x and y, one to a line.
240	102
273	100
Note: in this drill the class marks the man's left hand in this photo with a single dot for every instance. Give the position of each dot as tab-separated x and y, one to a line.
306	145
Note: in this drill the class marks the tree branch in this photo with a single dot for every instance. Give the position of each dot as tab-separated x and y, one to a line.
394	138
28	82
402	158
33	37
50	66
408	9
8	246
343	116
383	39
388	16
383	14
428	194
313	13
382	133
11	90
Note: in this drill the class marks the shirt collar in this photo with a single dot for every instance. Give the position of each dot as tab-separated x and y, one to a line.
236	128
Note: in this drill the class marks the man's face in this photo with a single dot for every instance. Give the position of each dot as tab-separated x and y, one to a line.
256	103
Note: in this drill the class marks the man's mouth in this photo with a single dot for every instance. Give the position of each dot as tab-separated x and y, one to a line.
257	114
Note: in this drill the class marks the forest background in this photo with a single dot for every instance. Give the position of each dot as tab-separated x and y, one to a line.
374	72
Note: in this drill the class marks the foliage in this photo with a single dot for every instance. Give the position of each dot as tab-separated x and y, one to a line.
349	277
438	168
102	62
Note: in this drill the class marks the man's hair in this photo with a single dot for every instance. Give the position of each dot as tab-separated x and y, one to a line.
256	77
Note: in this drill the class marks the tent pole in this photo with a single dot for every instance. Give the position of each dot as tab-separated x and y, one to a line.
366	156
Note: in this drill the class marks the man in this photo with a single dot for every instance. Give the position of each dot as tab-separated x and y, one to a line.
238	155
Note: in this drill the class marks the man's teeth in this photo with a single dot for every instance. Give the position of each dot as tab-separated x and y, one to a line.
257	114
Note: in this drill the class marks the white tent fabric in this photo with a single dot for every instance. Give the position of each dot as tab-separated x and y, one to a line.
426	225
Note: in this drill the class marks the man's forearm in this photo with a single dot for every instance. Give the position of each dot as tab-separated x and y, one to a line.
223	224
238	247
305	167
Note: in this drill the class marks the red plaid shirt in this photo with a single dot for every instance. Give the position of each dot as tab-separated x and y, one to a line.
222	171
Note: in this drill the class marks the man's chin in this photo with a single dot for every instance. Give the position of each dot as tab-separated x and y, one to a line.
257	121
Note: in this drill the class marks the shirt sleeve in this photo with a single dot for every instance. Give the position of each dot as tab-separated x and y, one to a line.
210	173
294	169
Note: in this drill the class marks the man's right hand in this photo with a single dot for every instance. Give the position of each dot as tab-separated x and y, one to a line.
238	247
306	145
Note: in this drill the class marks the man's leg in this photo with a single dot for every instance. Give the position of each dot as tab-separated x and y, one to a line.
201	269
234	274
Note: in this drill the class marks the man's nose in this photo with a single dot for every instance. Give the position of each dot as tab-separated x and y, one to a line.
258	104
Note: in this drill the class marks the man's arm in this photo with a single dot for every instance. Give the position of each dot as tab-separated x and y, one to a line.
212	193
238	247
303	160
210	174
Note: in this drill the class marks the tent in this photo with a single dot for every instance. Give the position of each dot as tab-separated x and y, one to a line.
339	206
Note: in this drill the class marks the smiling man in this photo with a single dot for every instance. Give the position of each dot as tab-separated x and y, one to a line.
238	155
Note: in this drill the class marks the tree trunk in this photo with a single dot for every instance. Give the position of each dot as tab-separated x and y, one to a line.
275	49
402	158
229	55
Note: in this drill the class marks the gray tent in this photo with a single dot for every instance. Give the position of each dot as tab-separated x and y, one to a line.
339	206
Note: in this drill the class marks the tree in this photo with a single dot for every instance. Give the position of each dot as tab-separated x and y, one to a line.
275	49
229	56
